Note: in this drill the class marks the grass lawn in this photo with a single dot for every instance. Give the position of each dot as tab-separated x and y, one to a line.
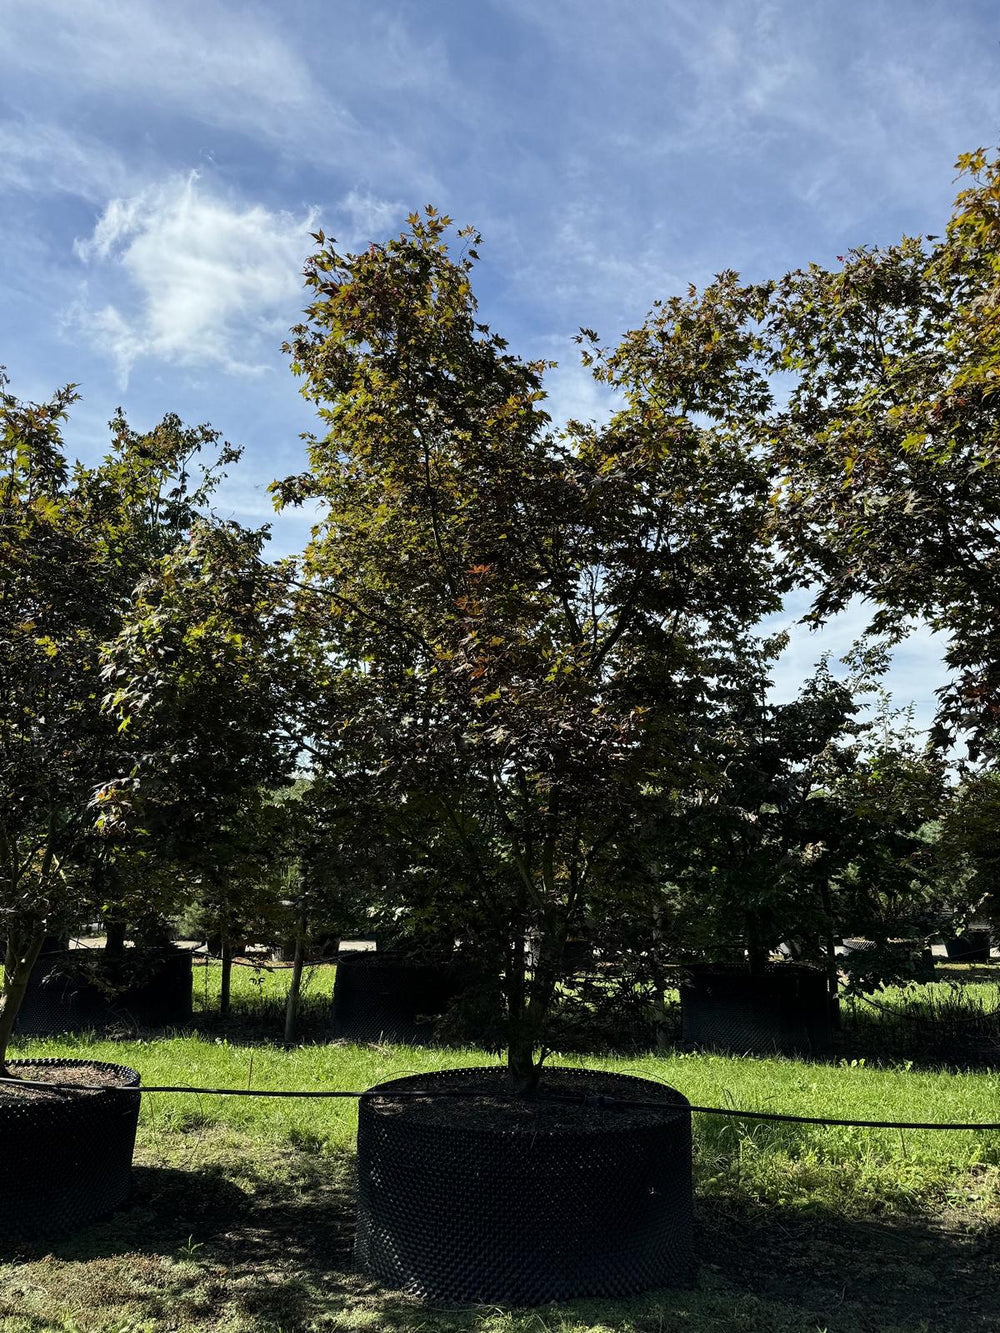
242	1213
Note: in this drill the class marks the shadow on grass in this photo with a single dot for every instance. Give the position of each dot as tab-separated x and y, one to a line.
216	1243
222	1242
926	1273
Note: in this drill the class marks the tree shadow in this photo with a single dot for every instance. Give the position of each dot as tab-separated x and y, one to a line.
269	1249
921	1272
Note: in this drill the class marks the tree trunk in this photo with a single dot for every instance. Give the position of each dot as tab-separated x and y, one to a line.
758	957
225	981
295	988
758	950
522	1069
114	933
659	981
830	948
22	953
660	1023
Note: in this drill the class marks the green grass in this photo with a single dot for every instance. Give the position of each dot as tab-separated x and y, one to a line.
242	1216
952	1022
258	994
854	1172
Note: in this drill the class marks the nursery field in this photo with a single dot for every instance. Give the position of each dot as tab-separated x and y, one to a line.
241	1220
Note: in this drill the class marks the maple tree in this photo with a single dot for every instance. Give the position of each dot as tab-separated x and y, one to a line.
74	542
512	616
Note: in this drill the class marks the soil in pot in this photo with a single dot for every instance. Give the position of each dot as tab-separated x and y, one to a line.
491	1198
84	988
386	997
786	1010
65	1156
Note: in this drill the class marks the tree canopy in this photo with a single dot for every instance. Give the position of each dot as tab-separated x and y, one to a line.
74	541
888	449
514	615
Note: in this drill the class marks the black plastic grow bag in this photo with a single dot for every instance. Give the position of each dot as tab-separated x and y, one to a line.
971	947
65	1157
379	997
522	1211
84	988
787	1010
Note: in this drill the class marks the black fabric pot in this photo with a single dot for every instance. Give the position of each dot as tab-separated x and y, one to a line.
65	1157
787	1010
971	947
578	956
523	1211
84	988
380	997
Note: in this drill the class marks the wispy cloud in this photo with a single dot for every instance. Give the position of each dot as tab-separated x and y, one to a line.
331	98
361	217
203	280
45	158
205	60
822	110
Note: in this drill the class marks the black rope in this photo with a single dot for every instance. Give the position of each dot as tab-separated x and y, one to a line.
984	1016
592	1101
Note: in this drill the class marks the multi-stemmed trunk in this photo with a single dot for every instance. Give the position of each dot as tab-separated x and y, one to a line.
529	1000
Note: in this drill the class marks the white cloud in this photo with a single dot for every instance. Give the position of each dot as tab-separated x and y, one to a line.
205	280
572	393
366	217
205	60
44	157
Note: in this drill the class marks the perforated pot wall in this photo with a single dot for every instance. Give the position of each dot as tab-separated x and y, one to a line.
378	997
82	988
65	1157
972	947
785	1011
480	1209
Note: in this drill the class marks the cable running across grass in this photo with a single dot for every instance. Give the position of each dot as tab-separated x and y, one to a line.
734	1113
983	1017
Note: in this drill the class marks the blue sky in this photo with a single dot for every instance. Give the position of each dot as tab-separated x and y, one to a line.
162	163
